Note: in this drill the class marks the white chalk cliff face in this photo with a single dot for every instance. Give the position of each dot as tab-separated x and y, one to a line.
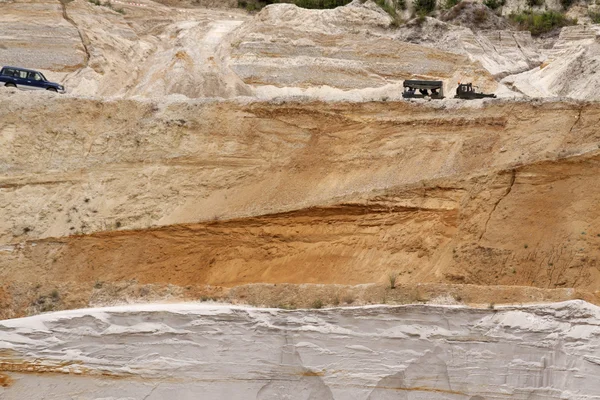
225	352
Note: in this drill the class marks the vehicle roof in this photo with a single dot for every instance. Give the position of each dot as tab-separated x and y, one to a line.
19	68
425	84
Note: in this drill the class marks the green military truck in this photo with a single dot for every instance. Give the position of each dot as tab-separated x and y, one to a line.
414	89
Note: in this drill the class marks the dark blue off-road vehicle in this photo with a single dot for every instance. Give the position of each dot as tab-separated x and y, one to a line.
27	79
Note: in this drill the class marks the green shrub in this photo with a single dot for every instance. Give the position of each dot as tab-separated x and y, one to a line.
424	7
538	23
535	3
450	3
493	4
566	3
595	17
317	304
391	10
480	16
392	277
455	11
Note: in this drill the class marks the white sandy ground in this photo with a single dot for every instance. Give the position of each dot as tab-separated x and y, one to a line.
210	351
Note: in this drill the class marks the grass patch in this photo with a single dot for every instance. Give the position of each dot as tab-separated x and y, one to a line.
424	7
594	16
317	304
480	16
535	3
455	11
391	10
539	23
108	4
450	3
349	298
566	3
392	277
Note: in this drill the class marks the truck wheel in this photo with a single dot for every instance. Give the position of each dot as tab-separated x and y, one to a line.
10	85
52	89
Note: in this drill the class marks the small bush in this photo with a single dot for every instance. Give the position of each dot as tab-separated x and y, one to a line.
594	16
480	16
538	23
450	3
455	11
392	277
317	304
55	295
493	4
535	3
348	299
492	306
424	7
98	284
391	10
566	3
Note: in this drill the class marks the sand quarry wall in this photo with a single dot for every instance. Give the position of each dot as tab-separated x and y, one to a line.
229	193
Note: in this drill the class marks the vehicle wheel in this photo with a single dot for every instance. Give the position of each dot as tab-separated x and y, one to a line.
10	85
52	89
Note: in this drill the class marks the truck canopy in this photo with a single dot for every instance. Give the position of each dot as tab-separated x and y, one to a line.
423	84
